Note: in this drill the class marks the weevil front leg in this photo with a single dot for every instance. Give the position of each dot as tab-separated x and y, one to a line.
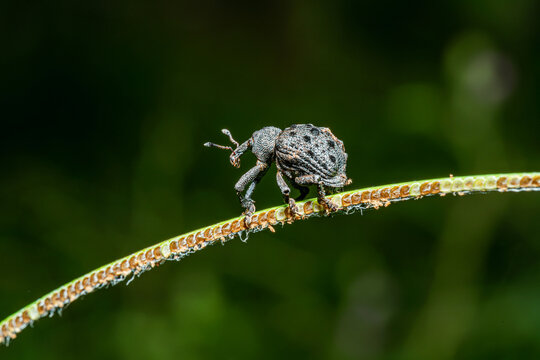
286	192
252	177
239	151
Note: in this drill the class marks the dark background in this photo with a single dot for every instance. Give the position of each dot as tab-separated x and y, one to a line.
104	109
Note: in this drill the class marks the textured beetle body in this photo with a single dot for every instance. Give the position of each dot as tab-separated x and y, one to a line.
304	154
304	150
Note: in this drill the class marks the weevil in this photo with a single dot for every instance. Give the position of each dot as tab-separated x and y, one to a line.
304	155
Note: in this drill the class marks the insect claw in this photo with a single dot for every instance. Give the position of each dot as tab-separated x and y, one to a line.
294	211
328	206
235	161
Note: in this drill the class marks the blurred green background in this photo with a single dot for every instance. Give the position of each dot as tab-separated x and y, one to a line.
105	107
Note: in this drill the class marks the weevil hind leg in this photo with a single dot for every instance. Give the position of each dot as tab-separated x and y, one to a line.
321	194
323	200
304	190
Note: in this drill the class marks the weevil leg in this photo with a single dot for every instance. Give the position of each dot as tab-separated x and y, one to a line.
250	189
239	151
304	190
321	194
252	177
325	202
307	180
286	191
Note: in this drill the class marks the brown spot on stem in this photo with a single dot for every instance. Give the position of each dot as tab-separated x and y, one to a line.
48	304
72	292
141	259
55	298
182	243
308	207
109	273
435	187
26	316
117	269
263	218
425	188
217	232
513	181
18	321
124	266
173	247
79	286
226	229
235	226
93	279
63	295
157	253
133	262
254	221
85	284
405	191
366	196
346	200
525	181
272	217
199	237
241	225
385	193
101	276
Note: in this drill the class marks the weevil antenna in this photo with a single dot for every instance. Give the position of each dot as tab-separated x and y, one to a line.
209	144
228	133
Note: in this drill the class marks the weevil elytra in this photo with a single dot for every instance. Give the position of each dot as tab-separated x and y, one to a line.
304	155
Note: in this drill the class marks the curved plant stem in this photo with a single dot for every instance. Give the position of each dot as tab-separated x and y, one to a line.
175	248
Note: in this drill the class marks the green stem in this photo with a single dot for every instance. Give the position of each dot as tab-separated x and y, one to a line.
175	248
